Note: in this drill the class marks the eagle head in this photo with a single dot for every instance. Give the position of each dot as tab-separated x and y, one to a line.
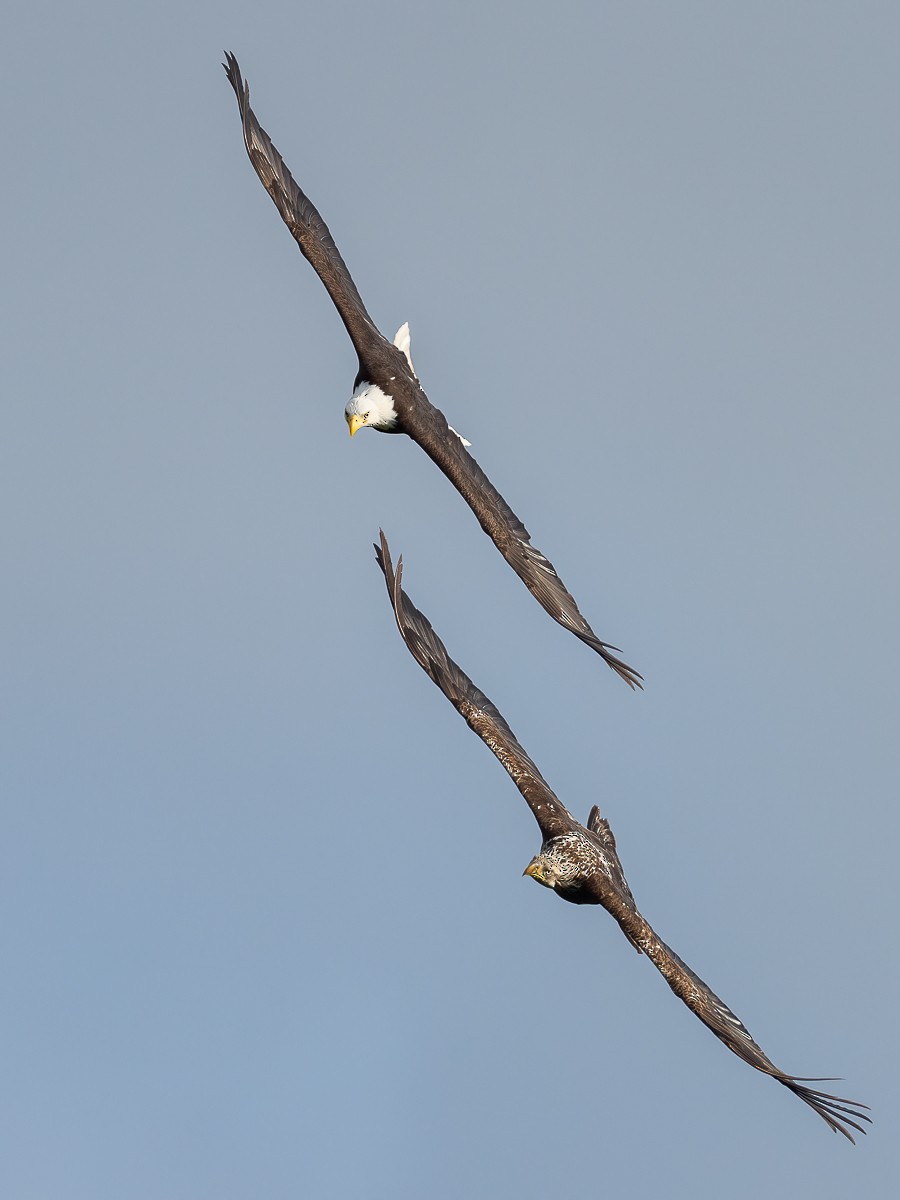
369	405
544	870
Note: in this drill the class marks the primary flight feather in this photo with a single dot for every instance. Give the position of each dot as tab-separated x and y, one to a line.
388	397
581	864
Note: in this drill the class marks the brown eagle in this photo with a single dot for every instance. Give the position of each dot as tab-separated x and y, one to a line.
581	864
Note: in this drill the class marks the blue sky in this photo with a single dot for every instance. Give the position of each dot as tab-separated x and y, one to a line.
265	929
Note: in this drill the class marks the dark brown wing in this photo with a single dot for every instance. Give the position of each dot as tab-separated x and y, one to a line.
303	220
428	426
728	1028
480	714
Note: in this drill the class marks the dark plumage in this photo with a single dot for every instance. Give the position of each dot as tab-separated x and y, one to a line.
582	864
387	368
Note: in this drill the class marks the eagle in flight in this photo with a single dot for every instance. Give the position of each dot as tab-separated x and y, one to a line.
388	397
581	864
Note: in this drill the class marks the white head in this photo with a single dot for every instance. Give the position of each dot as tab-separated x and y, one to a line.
369	405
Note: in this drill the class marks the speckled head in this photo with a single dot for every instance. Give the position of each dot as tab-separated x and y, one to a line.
544	869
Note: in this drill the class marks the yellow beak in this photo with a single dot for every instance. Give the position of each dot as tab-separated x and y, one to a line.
355	422
533	870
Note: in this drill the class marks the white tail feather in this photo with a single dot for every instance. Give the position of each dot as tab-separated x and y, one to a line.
401	341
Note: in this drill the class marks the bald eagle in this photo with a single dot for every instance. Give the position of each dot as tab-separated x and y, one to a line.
581	863
387	395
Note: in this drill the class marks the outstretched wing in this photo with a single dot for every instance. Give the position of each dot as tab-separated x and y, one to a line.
303	220
728	1028
480	714
428	426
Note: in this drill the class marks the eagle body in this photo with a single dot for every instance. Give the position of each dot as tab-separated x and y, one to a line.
581	869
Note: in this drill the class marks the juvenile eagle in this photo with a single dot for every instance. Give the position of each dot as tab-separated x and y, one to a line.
581	864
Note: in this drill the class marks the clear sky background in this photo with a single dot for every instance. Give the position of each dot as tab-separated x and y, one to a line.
264	928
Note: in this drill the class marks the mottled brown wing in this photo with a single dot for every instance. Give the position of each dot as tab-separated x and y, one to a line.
728	1028
303	220
428	426
479	713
